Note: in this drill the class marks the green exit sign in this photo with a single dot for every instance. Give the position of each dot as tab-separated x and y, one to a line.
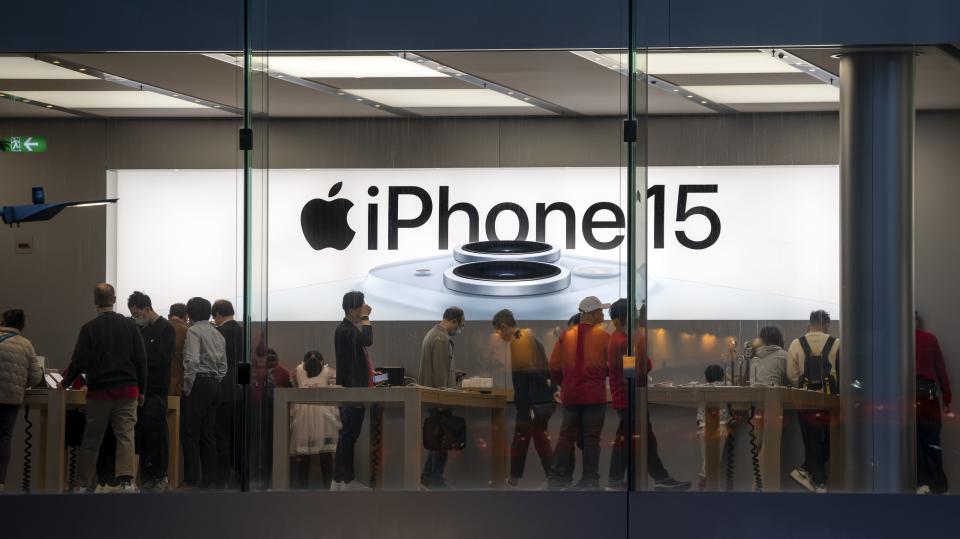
23	144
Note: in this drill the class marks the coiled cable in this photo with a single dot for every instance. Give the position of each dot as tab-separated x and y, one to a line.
755	453
73	467
376	444
27	450
729	449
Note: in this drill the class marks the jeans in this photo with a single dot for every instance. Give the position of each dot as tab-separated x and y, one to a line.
929	453
199	433
121	415
531	423
8	418
815	431
152	432
351	417
618	459
579	420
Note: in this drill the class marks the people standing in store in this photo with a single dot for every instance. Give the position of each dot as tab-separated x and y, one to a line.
768	366
281	376
578	366
159	339
532	394
110	352
204	367
314	428
350	342
19	370
812	364
177	316
437	369
616	349
932	383
228	442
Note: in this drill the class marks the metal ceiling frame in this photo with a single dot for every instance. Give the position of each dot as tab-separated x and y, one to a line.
49	106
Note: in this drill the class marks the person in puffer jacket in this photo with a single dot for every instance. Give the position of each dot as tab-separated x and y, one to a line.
19	369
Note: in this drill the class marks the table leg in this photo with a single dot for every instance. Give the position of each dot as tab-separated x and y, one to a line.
412	441
770	453
498	447
837	452
281	441
376	446
711	446
173	441
53	443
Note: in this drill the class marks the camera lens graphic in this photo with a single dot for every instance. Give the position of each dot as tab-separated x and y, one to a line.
531	251
506	278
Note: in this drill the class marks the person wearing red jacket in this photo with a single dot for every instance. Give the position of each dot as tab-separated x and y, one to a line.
578	365
616	349
932	383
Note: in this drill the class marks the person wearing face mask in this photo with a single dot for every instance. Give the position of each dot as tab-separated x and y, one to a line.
159	338
437	370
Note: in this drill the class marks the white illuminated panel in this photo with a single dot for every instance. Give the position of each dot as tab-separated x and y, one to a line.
106	99
468	97
769	93
708	63
334	67
20	67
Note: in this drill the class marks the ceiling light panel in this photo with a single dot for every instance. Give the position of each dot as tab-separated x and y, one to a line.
435	98
769	93
347	67
21	67
708	63
107	99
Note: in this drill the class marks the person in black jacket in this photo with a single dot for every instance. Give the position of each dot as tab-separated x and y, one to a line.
228	443
350	341
111	354
159	338
532	394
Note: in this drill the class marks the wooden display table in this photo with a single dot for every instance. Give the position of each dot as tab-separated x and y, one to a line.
49	443
770	402
412	400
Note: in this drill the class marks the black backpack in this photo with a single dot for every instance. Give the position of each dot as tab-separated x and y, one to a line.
443	430
817	375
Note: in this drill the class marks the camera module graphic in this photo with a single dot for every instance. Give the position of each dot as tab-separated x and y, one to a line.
516	250
324	222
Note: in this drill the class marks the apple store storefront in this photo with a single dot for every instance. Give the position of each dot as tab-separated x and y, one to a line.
507	273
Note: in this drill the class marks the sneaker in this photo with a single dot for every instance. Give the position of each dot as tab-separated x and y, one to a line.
803	478
615	486
820	489
354	486
586	484
106	488
162	485
671	484
127	487
513	481
923	489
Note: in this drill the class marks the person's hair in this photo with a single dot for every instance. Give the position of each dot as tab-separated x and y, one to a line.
222	307
713	373
453	314
504	318
352	300
139	300
313	363
272	356
178	309
104	295
770	335
14	318
198	309
820	318
574	320
619	311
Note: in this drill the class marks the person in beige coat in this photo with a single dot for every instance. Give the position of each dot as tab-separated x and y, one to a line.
19	369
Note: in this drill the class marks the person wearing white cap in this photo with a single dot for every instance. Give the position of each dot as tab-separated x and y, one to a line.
578	365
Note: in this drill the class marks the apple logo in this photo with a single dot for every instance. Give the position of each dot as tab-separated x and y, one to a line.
324	222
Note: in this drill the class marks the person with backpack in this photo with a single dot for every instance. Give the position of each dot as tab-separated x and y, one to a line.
19	369
812	363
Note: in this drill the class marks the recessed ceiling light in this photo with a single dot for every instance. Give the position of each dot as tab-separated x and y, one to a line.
82	69
339	93
703	102
49	106
176	95
676	89
334	67
56	62
695	63
435	97
689	97
99	99
18	67
769	93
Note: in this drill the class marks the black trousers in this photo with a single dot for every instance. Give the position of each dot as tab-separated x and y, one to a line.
301	467
580	421
618	459
8	418
151	431
228	444
531	425
351	419
929	452
815	431
199	433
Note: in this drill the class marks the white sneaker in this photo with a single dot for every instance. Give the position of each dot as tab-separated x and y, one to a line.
923	489
336	486
355	486
803	478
